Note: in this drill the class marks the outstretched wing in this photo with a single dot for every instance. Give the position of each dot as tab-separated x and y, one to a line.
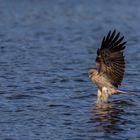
110	58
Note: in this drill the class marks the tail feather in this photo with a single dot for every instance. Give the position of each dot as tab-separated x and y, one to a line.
126	92
121	91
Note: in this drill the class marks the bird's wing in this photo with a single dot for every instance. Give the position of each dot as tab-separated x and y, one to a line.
110	59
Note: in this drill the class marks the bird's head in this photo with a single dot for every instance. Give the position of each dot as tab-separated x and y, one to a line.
92	73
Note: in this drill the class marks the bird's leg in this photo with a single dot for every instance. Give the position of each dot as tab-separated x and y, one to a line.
99	96
103	95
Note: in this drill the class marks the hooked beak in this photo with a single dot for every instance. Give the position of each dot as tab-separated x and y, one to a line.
90	71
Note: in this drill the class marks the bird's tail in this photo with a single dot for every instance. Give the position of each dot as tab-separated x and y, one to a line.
121	91
126	92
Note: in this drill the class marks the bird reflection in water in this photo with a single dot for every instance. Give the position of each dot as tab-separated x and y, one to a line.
109	117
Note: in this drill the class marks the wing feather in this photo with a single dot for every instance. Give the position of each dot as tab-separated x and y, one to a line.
110	59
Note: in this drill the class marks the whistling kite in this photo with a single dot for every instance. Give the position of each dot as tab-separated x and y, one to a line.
110	65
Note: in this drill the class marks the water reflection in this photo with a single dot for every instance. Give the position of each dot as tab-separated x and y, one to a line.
109	117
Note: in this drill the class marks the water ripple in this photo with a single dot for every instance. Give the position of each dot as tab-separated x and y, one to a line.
46	50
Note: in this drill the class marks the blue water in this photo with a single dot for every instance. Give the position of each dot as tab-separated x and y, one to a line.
46	49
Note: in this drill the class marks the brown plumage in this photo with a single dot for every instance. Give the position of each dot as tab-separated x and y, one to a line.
110	65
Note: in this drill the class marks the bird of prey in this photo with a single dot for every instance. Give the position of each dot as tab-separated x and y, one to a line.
110	66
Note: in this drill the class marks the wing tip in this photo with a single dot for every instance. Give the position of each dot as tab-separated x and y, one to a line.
112	39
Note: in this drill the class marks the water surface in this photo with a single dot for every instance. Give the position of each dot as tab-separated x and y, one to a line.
46	49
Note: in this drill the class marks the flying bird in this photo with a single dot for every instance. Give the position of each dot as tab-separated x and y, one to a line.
110	66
